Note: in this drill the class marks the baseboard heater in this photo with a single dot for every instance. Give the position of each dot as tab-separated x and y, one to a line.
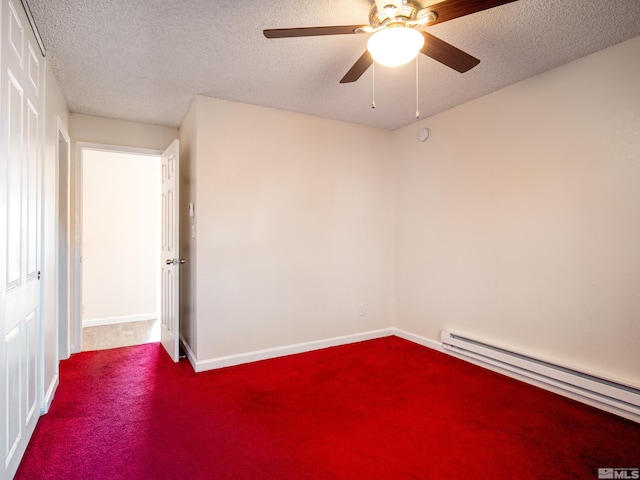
613	397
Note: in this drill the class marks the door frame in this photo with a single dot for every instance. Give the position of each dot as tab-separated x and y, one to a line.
63	241
75	318
61	265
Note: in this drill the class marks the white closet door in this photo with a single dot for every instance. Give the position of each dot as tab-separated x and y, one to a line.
21	126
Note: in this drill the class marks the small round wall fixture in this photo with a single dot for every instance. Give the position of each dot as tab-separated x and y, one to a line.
422	135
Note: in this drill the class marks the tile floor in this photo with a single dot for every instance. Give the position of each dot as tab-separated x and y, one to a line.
120	335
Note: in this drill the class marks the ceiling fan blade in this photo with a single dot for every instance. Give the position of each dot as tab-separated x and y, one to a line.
450	9
313	31
447	54
361	65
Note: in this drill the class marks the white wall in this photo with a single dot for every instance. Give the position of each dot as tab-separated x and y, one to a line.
188	248
56	116
119	236
294	228
86	128
56	111
519	220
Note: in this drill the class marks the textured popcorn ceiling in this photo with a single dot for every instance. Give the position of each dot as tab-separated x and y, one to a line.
144	60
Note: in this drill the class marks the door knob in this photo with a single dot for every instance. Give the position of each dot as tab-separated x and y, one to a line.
182	261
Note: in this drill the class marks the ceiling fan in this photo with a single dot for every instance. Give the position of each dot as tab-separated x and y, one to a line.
399	21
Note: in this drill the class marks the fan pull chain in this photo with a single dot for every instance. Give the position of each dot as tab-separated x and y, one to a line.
417	88
373	86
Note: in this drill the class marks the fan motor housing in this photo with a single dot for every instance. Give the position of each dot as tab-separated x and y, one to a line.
379	17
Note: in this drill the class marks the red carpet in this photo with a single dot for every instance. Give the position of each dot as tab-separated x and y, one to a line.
381	409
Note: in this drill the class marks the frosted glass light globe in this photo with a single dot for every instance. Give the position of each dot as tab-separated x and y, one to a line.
395	46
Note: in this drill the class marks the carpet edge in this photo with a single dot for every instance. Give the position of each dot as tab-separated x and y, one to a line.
265	354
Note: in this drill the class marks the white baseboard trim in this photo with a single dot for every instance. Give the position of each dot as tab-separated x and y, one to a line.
424	341
48	397
231	360
96	322
188	352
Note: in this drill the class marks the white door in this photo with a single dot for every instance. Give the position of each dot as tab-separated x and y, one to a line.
21	126
170	229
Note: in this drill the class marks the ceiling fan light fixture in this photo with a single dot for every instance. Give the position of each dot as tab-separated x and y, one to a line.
395	46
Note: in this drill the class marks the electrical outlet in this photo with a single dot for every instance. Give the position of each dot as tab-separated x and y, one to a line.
361	310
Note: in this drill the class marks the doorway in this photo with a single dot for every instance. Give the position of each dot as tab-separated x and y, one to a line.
119	281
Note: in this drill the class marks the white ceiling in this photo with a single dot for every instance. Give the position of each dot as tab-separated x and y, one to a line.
144	60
